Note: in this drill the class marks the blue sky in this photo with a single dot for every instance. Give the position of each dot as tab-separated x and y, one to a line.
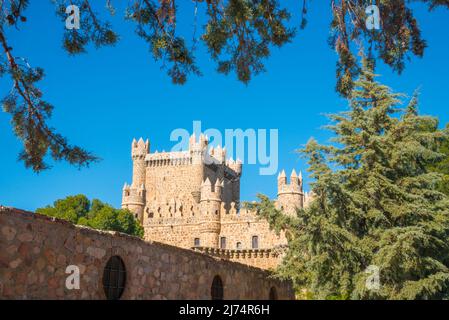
106	97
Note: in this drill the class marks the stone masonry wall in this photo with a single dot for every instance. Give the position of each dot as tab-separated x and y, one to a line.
35	251
240	228
235	228
259	258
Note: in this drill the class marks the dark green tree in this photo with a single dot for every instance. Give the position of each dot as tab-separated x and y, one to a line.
96	214
72	208
239	35
443	165
376	204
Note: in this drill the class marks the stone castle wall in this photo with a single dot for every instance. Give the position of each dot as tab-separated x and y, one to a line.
242	227
259	258
35	251
235	228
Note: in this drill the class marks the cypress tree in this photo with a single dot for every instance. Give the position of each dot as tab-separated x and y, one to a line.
376	203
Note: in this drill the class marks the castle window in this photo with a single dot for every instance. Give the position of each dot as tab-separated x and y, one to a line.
216	211
196	242
255	242
239	246
223	242
150	214
216	290
114	278
273	294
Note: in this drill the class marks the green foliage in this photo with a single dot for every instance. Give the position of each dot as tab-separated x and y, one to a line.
376	204
93	29
239	35
443	165
96	214
399	38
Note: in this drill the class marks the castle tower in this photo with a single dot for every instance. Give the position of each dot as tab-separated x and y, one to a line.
235	166
139	150
197	150
210	208
308	198
282	180
220	154
290	196
134	195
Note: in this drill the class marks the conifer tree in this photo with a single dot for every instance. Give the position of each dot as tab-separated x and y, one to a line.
376	204
443	165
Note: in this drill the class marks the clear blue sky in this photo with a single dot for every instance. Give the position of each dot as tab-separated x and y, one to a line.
105	98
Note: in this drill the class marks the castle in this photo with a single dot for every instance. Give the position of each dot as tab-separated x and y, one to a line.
191	199
185	200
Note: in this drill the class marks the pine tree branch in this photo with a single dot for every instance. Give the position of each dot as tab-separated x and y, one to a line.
35	121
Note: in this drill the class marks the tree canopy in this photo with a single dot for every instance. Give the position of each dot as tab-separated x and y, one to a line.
96	214
238	34
443	165
377	204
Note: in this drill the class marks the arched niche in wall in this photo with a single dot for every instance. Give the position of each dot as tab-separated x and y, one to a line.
273	295
216	290
114	278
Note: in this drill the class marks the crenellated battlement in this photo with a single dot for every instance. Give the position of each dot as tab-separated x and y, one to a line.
290	195
295	185
139	149
211	192
134	194
261	258
199	152
236	166
168	159
133	198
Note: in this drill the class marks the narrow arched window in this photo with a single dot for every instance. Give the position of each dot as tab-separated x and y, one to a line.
255	242
239	246
273	294
196	242
216	291
114	278
223	242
